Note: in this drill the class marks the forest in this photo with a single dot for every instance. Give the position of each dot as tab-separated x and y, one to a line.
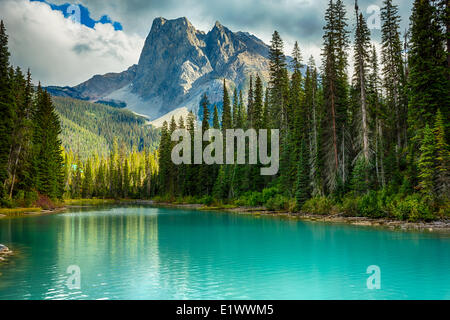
372	142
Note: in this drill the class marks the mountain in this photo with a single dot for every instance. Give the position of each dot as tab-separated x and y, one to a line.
178	64
89	128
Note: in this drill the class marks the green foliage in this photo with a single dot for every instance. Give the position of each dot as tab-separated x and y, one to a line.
278	203
412	208
426	163
318	205
89	128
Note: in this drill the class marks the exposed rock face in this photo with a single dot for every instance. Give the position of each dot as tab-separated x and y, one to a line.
177	65
100	86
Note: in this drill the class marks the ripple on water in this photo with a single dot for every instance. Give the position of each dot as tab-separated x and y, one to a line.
148	253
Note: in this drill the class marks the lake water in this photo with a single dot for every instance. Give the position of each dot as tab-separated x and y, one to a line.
155	253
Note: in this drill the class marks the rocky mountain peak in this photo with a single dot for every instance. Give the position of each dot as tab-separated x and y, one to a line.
178	64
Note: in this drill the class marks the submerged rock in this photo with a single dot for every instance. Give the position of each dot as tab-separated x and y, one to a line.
4	250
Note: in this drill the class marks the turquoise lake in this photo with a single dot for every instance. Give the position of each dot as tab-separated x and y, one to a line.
138	252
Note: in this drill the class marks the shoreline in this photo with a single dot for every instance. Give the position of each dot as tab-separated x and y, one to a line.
441	226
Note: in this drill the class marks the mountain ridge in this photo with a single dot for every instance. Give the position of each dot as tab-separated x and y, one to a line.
178	64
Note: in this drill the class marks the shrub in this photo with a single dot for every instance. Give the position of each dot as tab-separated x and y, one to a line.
349	206
412	208
269	193
207	200
279	202
6	203
368	205
318	205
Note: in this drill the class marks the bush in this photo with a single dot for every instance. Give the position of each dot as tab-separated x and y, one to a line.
31	197
6	203
207	200
277	203
349	206
318	205
250	199
412	208
369	206
269	193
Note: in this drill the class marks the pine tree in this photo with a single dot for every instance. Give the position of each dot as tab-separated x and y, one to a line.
303	192
250	102
258	103
216	121
87	187
378	116
312	107
426	163
126	179
227	121
235	108
394	75
48	160
335	128
277	83
442	174
362	57
6	109
164	156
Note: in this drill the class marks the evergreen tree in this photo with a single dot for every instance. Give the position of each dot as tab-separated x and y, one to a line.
428	81
6	109
227	121
277	83
258	104
442	174
87	187
303	192
235	108
362	60
48	160
394	76
336	138
426	163
250	103
216	121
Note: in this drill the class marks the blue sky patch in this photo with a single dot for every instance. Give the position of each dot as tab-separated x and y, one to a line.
81	14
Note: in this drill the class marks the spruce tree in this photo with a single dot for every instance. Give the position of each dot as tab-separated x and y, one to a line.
428	82
442	173
258	103
362	60
303	192
426	162
336	138
277	82
6	109
393	76
227	121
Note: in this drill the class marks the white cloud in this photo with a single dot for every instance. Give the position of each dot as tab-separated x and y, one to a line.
60	51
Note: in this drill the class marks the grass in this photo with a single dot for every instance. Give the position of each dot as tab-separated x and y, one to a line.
19	211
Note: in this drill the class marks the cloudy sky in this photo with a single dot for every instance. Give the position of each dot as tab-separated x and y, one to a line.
65	44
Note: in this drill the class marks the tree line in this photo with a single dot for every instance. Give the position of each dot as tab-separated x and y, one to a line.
374	143
31	162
